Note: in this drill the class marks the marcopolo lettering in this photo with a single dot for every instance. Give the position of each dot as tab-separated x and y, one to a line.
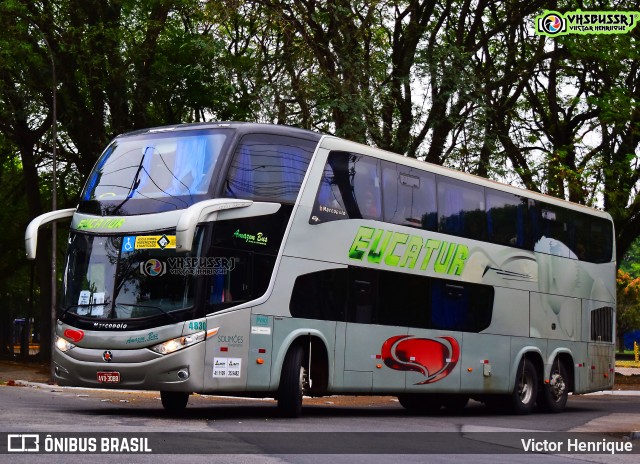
410	251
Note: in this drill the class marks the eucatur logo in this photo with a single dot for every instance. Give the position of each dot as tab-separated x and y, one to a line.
434	358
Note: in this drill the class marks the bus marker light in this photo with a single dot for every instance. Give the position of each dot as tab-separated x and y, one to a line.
262	350
260	361
547	381
379	366
485	361
212	332
606	375
469	369
224	348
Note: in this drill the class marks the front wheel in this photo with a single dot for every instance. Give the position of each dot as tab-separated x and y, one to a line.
293	383
174	401
553	395
525	391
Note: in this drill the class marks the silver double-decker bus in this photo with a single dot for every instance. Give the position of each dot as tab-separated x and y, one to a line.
267	261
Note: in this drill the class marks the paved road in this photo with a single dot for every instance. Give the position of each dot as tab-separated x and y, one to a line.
244	426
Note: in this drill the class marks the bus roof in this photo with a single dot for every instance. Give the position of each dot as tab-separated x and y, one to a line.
240	127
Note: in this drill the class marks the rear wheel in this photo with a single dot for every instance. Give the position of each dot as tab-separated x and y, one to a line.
174	401
420	403
293	383
553	395
525	391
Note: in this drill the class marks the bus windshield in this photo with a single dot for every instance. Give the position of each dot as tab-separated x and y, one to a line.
103	280
151	173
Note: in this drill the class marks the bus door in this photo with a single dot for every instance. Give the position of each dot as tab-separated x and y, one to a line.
366	333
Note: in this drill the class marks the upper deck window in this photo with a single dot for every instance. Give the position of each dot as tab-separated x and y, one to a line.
268	168
350	189
152	173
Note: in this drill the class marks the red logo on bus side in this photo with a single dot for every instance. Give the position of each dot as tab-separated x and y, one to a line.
434	358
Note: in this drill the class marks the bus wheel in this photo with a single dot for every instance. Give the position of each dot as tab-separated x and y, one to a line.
525	390
454	403
420	403
174	401
553	395
293	383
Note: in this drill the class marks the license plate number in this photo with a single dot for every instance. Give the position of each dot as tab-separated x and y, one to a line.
109	377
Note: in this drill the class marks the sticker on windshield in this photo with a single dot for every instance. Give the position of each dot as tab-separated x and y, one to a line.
148	242
128	243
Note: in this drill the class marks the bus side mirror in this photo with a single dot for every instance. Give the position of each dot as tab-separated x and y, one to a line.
213	210
31	234
203	211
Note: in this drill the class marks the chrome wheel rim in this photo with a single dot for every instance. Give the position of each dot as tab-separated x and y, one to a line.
557	386
525	389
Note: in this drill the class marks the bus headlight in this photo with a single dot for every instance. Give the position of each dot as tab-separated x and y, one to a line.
171	346
63	345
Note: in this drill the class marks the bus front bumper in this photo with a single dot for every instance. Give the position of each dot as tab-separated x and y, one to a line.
139	369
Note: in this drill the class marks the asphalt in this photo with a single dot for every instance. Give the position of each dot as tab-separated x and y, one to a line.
628	384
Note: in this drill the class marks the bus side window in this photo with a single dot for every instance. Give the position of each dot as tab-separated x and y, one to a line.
364	298
320	295
409	196
601	245
506	215
350	189
461	209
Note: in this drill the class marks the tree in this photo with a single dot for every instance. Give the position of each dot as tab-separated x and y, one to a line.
631	262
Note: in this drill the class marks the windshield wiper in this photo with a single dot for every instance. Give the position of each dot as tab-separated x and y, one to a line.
134	185
166	313
68	308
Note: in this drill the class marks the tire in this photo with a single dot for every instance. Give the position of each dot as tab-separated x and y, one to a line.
454	403
293	383
420	403
174	401
553	395
525	391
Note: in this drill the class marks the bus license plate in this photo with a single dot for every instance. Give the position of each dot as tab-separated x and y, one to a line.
109	377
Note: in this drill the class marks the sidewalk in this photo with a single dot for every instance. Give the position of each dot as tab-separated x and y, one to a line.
29	372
